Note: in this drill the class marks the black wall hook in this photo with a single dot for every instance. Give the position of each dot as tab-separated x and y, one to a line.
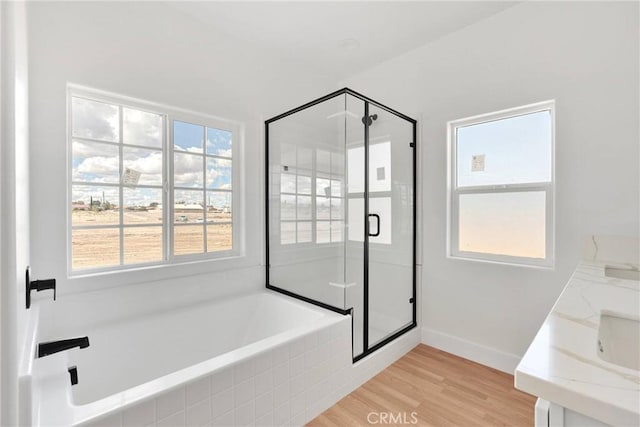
38	285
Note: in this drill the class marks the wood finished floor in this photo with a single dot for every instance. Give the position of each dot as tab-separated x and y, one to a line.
440	388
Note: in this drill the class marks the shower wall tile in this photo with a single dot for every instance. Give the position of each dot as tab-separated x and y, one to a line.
170	403
222	402
224	420
265	420
264	404
221	380
244	415
175	420
244	392
281	414
263	362
198	390
280	354
199	414
264	382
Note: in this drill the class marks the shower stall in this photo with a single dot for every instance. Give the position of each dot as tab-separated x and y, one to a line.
341	212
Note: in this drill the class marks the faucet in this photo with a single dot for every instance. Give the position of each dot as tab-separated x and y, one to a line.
47	348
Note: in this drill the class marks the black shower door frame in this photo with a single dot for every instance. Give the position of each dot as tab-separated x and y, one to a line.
367	101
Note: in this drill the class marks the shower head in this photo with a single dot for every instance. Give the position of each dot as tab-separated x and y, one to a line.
369	120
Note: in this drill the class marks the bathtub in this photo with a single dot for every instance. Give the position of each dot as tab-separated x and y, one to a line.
258	359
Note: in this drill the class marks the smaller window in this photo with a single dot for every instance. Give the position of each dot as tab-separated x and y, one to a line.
501	190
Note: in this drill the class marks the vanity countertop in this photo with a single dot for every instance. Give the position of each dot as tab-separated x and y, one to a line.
562	363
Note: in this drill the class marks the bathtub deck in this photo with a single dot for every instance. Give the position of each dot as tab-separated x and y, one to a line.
442	389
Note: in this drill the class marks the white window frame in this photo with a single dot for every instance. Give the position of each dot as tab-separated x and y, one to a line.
454	192
169	115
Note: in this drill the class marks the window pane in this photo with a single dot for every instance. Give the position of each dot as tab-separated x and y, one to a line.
188	170
188	206
304	232
98	247
336	231
304	184
323	187
304	207
219	142
336	188
219	237
95	162
336	208
188	239
287	233
142	205
95	120
219	206
187	137
141	128
219	174
323	208
142	244
503	223
92	205
287	183
323	232
143	167
287	207
507	151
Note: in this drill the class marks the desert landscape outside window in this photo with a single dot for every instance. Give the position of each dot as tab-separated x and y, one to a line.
128	164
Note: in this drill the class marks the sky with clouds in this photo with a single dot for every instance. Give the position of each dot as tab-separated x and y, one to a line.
95	161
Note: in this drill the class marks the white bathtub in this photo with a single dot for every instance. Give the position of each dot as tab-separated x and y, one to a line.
262	359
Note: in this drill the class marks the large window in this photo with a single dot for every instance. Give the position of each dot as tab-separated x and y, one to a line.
501	180
148	184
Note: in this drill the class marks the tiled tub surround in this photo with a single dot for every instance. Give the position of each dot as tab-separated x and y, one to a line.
562	364
272	361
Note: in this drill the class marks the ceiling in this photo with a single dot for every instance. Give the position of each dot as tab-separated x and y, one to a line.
339	38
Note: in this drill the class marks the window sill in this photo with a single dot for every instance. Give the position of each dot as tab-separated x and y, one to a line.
507	261
92	281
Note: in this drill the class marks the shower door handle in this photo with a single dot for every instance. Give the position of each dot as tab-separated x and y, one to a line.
377	233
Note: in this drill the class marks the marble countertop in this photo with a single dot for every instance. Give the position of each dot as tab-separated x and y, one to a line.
562	363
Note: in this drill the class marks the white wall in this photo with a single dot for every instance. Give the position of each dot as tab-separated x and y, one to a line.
14	219
153	52
583	55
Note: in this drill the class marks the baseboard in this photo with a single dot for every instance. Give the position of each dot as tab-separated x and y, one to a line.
505	362
368	367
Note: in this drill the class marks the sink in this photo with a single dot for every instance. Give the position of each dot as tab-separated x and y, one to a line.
622	273
619	339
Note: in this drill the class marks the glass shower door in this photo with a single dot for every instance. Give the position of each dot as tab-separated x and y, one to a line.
391	220
308	256
340	213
